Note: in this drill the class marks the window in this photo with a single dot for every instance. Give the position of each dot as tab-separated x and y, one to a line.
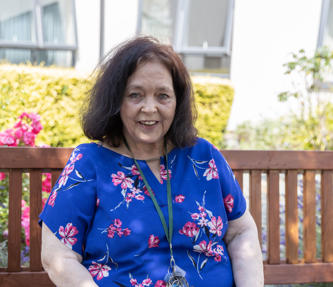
199	30
38	31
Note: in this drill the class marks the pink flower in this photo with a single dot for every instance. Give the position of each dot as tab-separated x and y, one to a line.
163	173
203	222
133	281
195	216
121	179
179	198
7	139
216	226
217	258
219	249
229	202
52	199
25	221
160	283
29	138
99	270
64	175
67	234
2	176
211	172
147	282
190	229
115	228
205	248
147	192
46	183
153	241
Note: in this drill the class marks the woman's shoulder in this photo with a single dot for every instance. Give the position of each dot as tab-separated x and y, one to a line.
203	145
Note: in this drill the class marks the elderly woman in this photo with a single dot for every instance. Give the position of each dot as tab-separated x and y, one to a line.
148	203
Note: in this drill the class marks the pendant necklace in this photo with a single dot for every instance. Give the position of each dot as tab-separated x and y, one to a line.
175	276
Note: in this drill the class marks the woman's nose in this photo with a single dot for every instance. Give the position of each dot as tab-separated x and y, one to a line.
149	105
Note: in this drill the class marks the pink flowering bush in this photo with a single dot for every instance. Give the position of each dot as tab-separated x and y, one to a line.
23	133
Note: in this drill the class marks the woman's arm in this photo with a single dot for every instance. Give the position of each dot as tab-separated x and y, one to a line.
245	253
63	264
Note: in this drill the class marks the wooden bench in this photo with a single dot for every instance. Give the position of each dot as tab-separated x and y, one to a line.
261	175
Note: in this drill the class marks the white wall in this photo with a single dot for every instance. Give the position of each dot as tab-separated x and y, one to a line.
265	35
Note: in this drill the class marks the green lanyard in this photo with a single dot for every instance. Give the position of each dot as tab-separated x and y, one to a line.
168	233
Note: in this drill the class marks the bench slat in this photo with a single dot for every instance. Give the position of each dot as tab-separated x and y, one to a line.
255	199
291	217
273	209
14	220
35	209
309	212
327	215
54	176
239	177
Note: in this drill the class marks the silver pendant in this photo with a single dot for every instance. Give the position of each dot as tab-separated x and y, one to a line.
176	278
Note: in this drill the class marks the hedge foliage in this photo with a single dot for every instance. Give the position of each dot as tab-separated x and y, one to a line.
57	95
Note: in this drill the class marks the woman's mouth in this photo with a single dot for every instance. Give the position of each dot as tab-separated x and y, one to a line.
148	123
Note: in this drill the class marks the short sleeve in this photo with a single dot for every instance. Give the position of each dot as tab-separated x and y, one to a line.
70	208
234	201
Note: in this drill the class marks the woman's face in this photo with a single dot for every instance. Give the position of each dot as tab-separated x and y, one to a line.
148	105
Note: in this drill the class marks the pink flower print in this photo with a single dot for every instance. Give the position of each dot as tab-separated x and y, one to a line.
211	172
133	281
97	202
190	229
135	171
160	283
126	232
67	234
201	208
147	282
117	222
75	158
205	248
163	173
229	202
64	175
216	226
203	222
99	270
153	241
217	258
121	179
179	198
139	197
145	190
115	228
219	249
52	199
195	216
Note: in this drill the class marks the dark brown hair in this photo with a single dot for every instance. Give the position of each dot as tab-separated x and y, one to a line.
101	116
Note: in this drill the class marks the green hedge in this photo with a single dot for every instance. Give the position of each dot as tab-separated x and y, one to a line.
57	95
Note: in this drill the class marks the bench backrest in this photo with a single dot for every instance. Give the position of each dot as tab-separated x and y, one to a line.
285	190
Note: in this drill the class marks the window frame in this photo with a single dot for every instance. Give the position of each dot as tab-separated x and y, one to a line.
181	19
38	44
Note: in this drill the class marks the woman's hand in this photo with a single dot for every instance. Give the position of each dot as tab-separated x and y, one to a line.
63	264
245	253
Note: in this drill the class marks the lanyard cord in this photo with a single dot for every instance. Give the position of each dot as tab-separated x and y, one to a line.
168	233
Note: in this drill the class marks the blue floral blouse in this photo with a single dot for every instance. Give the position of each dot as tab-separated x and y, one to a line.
101	209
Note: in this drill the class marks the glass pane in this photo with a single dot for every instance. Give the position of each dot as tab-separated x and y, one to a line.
206	23
16	20
58	22
15	56
208	65
158	17
48	58
328	30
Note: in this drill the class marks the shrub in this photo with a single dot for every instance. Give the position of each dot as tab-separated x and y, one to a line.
57	96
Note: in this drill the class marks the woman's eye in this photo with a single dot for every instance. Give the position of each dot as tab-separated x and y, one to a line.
164	96
134	95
